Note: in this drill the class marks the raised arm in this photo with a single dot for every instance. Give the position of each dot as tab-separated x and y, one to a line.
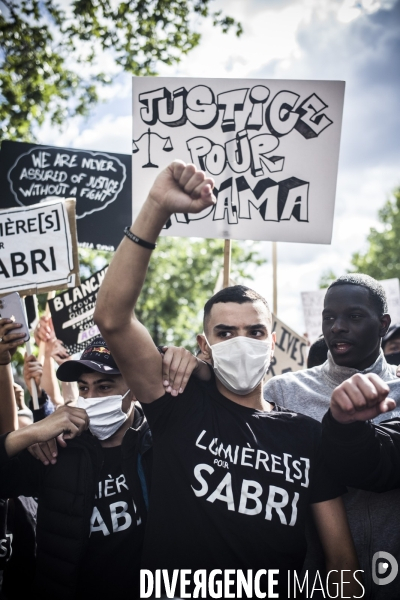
179	188
66	421
9	340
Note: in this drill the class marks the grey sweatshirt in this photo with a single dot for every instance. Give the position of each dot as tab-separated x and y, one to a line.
374	519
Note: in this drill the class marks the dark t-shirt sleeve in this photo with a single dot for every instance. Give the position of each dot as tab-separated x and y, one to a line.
169	412
324	485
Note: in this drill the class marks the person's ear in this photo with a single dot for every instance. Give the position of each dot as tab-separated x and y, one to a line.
204	347
273	342
385	321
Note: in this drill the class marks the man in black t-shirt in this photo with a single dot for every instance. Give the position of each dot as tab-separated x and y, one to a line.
233	475
92	497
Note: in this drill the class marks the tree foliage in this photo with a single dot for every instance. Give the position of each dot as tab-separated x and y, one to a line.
326	278
50	56
382	259
181	277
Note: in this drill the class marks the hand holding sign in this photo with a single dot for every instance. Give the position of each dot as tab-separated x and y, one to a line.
360	398
11	338
32	372
182	188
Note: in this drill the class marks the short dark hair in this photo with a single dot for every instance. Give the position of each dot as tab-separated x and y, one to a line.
376	292
235	293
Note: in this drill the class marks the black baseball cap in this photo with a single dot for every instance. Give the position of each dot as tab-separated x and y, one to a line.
393	331
96	356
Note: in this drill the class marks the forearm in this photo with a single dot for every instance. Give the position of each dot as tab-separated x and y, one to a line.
362	454
338	546
344	581
8	405
19	440
119	293
50	383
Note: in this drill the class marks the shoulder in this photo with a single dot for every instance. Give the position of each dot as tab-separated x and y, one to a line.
393	381
300	419
294	379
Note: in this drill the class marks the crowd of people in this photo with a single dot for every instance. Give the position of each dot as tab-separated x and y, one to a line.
149	472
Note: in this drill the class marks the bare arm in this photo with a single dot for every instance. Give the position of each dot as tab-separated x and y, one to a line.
10	339
46	339
67	421
69	389
179	188
49	379
340	555
8	405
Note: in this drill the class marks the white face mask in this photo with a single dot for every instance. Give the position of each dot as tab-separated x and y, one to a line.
240	363
105	414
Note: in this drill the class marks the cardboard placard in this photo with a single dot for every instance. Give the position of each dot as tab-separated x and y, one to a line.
38	248
100	181
392	289
272	147
291	350
72	313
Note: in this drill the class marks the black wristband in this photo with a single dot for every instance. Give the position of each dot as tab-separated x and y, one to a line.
138	240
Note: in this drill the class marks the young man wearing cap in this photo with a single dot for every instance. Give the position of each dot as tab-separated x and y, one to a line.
232	477
93	495
92	499
354	321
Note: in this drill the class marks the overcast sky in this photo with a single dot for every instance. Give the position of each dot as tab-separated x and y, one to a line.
350	40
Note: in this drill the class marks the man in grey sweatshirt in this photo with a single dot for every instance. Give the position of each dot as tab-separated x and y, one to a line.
354	320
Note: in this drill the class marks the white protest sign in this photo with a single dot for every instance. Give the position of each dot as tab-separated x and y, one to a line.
392	289
272	147
38	251
291	350
313	305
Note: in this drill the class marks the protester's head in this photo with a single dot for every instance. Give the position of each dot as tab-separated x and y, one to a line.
96	373
391	341
317	354
239	317
237	298
354	320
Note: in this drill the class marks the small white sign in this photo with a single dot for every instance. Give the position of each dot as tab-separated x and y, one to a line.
272	147
313	305
36	248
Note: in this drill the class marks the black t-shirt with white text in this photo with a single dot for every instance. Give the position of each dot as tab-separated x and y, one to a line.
231	485
110	568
